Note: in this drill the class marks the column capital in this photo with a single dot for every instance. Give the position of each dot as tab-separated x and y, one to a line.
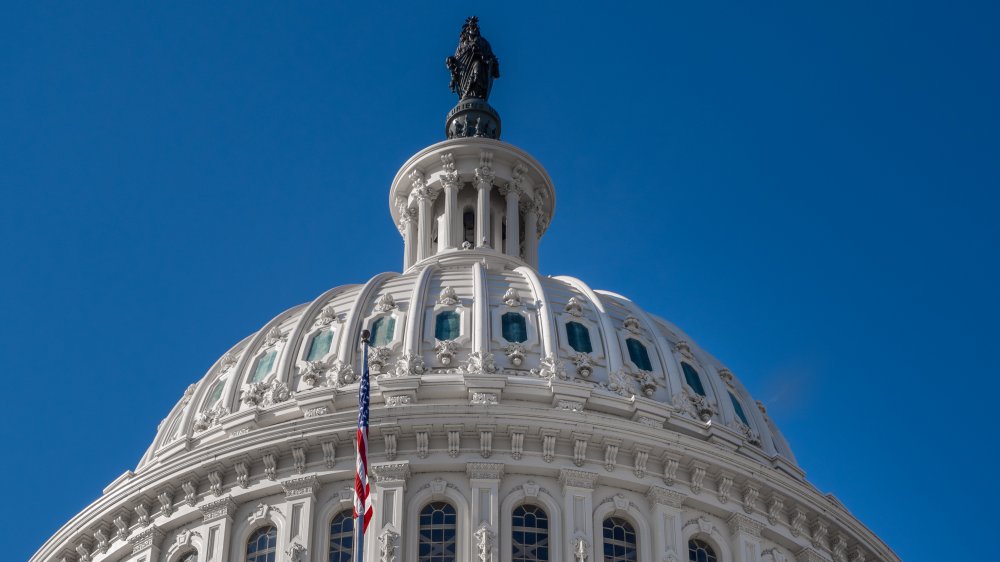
307	486
577	479
662	496
485	173
146	539
484	470
739	523
224	507
391	473
449	175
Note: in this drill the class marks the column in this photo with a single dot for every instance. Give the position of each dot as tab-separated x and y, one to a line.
425	198
408	227
216	528
387	524
485	479
578	510
484	184
449	235
666	523
513	194
746	537
530	209
300	506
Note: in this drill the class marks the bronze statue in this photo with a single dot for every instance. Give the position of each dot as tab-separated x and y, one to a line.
473	67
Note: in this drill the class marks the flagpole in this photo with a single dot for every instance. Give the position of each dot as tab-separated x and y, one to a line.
362	464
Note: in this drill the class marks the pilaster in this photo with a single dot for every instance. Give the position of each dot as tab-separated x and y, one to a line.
578	506
666	523
300	504
387	525
216	527
746	537
485	480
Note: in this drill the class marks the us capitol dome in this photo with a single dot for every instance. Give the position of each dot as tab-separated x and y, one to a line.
514	416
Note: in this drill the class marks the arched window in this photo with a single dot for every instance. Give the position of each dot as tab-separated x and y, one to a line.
515	329
469	226
320	345
382	330
262	545
529	534
578	337
692	378
264	366
700	551
638	354
342	537
190	557
739	410
437	533
447	325
620	543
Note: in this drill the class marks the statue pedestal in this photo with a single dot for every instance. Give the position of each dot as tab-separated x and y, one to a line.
473	118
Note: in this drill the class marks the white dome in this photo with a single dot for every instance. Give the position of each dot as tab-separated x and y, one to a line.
477	288
493	389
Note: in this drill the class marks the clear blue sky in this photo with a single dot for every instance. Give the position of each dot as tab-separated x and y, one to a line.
810	190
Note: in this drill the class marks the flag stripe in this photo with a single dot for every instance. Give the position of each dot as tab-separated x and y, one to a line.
362	491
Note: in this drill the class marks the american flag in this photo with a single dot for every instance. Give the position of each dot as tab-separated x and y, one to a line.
362	491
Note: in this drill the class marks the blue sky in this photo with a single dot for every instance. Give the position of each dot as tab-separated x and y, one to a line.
808	189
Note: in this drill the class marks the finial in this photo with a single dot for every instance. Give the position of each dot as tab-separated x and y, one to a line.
365	336
473	68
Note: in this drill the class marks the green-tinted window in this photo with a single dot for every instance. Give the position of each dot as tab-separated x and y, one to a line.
320	345
216	394
638	354
739	409
578	337
515	329
692	378
382	331
264	365
447	325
